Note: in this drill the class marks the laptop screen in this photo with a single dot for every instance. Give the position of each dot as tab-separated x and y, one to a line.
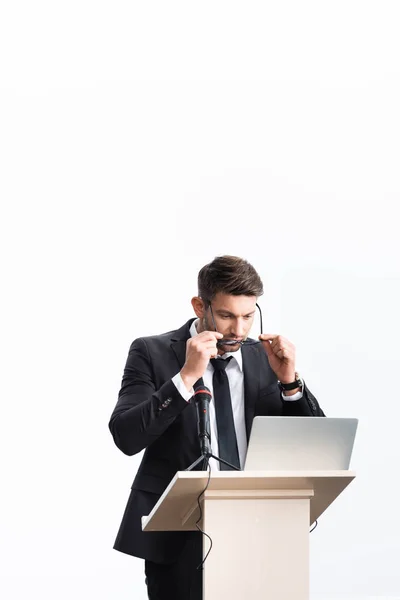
300	443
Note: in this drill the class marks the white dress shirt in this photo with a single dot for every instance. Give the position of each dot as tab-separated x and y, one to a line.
234	371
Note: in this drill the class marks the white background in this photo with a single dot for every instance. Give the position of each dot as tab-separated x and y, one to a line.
138	141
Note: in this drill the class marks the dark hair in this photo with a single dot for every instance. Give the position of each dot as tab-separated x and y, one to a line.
228	275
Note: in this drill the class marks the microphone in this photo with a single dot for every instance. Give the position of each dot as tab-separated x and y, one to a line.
202	397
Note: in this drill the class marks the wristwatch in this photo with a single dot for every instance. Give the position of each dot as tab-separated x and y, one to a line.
297	383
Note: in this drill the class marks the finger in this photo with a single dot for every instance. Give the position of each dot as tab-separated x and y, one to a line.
283	349
285	356
211	347
281	353
207	337
267	336
212	335
281	342
211	351
267	348
279	346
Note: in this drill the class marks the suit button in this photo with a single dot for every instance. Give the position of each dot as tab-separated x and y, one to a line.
165	404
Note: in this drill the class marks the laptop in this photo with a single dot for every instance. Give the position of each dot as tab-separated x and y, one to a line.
300	443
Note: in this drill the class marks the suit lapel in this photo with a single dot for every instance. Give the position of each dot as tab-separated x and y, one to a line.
251	372
178	346
180	351
178	342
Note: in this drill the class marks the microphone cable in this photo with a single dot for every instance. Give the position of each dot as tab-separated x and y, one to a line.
201	565
315	525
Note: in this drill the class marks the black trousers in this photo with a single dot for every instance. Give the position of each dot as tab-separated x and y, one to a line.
180	580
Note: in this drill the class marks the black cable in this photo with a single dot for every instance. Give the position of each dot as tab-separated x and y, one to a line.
201	516
316	523
201	565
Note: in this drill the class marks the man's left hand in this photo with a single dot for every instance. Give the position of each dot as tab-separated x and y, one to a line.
281	356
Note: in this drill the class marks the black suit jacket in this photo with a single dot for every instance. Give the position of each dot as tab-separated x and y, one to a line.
151	414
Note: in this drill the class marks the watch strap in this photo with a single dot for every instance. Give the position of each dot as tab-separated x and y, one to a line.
297	383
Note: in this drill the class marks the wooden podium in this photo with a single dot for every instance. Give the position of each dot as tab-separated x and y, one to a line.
259	523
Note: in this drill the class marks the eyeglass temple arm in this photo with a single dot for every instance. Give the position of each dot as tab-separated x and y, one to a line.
259	310
261	321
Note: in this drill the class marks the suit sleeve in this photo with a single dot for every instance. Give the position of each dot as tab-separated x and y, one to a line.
270	401
142	412
307	406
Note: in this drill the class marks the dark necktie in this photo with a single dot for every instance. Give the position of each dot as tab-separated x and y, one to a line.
227	442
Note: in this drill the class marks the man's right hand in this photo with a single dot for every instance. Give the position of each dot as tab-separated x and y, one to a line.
199	350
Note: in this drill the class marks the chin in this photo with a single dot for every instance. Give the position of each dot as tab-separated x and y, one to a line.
228	348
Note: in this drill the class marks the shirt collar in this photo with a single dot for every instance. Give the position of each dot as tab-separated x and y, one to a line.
237	355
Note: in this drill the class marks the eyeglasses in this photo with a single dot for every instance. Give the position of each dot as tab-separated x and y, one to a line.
224	342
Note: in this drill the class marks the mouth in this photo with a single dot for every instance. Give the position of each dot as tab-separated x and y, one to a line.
229	342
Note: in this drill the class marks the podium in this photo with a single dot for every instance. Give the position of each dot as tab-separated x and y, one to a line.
259	523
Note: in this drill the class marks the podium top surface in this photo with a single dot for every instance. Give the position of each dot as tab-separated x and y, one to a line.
177	509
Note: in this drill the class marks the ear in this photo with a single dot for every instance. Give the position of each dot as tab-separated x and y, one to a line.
198	307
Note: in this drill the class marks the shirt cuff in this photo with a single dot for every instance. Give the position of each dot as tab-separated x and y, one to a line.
182	389
296	396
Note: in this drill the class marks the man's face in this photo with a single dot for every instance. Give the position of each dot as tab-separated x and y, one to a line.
233	316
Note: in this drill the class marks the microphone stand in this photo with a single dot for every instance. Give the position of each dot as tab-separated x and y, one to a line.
203	428
205	457
206	454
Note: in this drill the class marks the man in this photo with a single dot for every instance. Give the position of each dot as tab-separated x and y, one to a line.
155	412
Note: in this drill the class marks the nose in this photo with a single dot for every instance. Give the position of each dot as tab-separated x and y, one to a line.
240	328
